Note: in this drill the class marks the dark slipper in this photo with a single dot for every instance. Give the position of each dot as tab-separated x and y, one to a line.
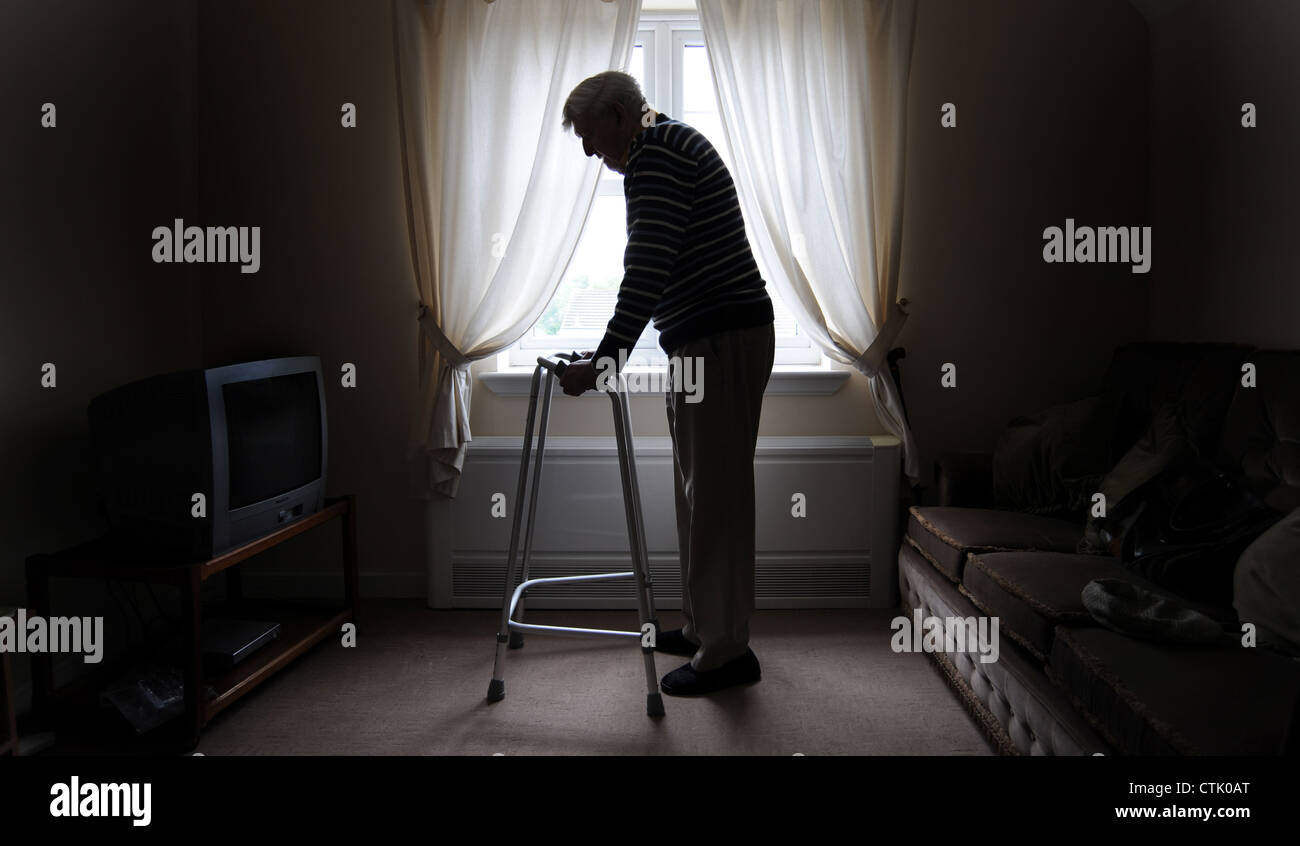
688	681
673	642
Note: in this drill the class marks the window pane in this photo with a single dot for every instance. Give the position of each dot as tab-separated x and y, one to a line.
697	80
637	68
785	325
585	300
597	266
699	101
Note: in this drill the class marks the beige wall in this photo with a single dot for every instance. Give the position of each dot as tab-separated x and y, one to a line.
1052	110
80	202
1052	101
1226	199
335	278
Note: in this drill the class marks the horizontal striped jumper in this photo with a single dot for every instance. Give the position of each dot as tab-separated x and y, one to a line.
688	263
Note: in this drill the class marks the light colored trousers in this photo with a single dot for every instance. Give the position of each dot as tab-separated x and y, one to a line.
713	463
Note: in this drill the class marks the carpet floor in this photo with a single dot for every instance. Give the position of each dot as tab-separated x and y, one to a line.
417	679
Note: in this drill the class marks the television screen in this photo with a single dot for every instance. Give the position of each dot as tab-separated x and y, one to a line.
273	428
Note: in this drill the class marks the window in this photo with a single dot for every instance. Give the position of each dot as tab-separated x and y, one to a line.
671	62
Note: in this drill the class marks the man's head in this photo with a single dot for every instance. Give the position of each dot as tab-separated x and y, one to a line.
605	112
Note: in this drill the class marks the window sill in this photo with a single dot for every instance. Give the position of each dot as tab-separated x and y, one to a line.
786	380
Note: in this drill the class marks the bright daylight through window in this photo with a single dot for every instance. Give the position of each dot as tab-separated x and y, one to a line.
671	62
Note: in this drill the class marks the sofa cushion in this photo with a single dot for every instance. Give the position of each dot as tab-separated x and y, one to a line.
1151	698
1052	462
945	535
1200	378
1033	592
1261	439
1123	486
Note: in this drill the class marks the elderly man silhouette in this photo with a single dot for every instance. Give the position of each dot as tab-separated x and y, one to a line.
689	266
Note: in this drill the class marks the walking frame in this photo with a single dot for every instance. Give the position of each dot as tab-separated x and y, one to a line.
511	631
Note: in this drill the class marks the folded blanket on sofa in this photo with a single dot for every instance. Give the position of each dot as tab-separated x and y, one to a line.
1129	609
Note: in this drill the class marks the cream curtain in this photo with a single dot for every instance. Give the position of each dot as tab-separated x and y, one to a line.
813	95
496	193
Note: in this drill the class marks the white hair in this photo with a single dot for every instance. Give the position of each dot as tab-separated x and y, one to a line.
597	94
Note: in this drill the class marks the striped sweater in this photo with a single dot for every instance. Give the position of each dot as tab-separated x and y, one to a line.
688	263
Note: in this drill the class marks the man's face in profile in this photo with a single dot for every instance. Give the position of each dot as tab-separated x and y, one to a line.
606	137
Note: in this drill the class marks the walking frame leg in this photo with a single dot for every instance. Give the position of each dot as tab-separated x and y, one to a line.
497	687
513	601
636	539
517	637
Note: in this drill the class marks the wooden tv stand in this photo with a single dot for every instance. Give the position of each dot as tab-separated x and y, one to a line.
301	625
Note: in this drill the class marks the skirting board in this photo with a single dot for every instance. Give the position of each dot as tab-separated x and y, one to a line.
827	510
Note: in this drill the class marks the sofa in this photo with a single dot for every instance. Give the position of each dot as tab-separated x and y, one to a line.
1016	534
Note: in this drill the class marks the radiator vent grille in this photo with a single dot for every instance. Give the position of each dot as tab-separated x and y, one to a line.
822	579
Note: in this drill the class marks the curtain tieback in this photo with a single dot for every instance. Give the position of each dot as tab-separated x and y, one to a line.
876	354
446	347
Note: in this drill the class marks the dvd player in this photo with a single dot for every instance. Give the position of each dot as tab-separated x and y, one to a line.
227	642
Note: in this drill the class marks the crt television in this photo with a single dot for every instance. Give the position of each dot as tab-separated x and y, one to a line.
192	464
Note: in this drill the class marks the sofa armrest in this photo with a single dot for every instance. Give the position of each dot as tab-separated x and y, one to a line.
965	479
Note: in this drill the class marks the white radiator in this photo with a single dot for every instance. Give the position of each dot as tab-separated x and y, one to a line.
841	554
